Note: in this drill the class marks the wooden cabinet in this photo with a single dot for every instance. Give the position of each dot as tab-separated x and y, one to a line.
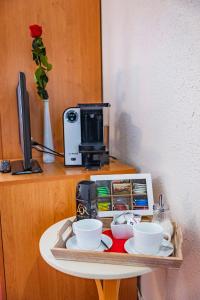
29	204
2	271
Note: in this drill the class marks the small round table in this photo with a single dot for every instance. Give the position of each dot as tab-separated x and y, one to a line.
106	276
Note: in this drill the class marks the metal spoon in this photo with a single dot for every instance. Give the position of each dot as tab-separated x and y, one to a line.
104	244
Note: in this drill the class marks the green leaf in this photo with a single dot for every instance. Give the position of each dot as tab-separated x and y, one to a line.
40	58
42	51
37	42
49	67
41	77
36	57
44	80
43	93
38	73
35	79
45	62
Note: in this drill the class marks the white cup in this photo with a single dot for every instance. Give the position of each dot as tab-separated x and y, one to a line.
148	237
88	233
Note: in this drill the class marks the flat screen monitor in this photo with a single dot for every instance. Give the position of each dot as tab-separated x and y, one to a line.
27	165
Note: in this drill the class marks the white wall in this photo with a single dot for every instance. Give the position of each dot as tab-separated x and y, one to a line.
151	76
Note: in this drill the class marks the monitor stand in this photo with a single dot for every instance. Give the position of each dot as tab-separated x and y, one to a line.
17	167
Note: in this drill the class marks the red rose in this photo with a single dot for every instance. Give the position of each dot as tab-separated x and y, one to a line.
36	30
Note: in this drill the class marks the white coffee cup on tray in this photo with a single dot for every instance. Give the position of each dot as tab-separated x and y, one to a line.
148	238
88	233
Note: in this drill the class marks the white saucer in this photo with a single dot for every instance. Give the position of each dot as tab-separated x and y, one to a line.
166	249
72	243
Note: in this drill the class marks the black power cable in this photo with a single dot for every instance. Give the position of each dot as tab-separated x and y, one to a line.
48	152
53	152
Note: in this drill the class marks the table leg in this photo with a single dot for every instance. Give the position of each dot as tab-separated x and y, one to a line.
108	289
139	292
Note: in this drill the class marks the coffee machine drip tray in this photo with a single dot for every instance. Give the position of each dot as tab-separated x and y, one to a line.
95	160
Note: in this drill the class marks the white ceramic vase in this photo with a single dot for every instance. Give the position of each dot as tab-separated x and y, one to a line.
47	134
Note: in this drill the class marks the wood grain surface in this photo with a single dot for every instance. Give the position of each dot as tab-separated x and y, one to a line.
28	208
2	271
1	149
71	34
108	289
57	171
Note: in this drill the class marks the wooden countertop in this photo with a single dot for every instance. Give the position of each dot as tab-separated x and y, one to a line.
59	171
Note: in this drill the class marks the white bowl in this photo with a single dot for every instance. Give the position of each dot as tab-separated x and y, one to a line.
122	231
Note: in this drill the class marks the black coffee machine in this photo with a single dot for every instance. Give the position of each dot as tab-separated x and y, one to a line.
86	135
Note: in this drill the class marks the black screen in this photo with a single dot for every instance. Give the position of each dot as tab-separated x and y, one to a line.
24	121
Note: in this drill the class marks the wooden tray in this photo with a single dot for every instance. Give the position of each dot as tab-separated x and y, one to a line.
60	252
